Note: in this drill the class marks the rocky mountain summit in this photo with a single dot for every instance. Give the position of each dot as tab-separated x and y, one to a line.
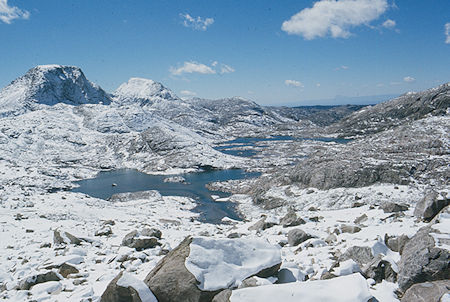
326	215
49	85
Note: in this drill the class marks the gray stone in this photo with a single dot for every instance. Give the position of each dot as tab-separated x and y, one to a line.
360	219
61	237
223	296
297	236
430	205
392	207
379	270
360	254
138	242
427	291
27	283
422	261
350	229
261	225
331	239
116	293
291	219
104	231
151	232
396	243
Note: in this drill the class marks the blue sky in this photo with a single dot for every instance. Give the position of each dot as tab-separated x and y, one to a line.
273	52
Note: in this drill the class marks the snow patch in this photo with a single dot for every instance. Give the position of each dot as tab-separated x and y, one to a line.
144	292
223	263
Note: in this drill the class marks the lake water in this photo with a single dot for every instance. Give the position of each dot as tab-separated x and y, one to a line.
244	146
129	180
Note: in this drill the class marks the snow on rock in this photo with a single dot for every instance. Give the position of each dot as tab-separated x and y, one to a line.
142	91
127	280
351	288
224	263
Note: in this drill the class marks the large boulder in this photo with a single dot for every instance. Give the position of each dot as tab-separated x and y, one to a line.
199	268
126	288
422	260
379	270
392	207
427	291
430	205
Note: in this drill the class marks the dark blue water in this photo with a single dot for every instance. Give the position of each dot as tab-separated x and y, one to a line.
233	147
129	180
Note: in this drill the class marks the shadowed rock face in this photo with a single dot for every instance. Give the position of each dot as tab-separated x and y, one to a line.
116	293
171	281
422	261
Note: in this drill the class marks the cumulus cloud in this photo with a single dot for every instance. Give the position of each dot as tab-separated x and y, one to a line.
192	67
389	24
447	33
195	67
197	23
188	93
293	83
10	13
409	79
335	18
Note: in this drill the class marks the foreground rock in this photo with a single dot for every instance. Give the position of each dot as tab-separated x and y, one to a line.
422	261
199	268
125	288
427	292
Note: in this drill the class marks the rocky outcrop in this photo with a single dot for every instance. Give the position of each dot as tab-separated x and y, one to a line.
362	255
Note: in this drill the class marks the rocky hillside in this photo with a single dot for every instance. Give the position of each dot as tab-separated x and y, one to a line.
319	115
408	107
413	148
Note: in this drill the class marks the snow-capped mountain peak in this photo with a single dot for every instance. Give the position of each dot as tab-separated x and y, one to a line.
49	85
144	91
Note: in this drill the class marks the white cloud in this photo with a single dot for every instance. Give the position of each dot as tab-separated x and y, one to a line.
389	24
317	84
192	67
196	23
188	93
195	67
226	69
293	83
9	13
342	67
335	18
447	33
409	79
